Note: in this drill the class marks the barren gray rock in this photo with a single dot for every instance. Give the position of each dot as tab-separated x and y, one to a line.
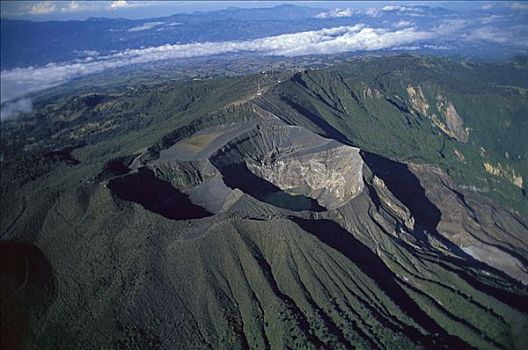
329	172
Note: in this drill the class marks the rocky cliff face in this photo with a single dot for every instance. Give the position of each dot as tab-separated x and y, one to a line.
292	158
454	122
332	177
479	227
286	166
329	172
448	120
418	101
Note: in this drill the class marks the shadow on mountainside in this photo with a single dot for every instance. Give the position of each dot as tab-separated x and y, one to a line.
156	195
239	176
28	289
332	234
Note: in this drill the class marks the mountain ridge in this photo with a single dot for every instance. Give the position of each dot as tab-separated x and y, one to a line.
262	267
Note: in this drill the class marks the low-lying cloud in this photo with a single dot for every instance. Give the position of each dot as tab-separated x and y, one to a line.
12	109
402	35
337	13
370	11
18	82
403	23
145	26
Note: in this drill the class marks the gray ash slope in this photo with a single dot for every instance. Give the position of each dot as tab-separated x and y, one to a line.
207	239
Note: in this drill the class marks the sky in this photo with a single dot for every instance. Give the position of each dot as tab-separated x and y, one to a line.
79	10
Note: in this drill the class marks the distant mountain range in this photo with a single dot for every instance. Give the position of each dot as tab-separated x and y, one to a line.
492	32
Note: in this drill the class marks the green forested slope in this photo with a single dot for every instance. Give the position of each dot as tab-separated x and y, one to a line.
379	272
369	104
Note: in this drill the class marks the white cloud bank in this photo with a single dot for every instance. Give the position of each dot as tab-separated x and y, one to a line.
18	82
370	11
119	3
42	8
145	26
14	108
337	13
402	23
46	7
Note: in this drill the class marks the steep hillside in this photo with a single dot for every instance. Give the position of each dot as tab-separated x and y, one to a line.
342	208
467	118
